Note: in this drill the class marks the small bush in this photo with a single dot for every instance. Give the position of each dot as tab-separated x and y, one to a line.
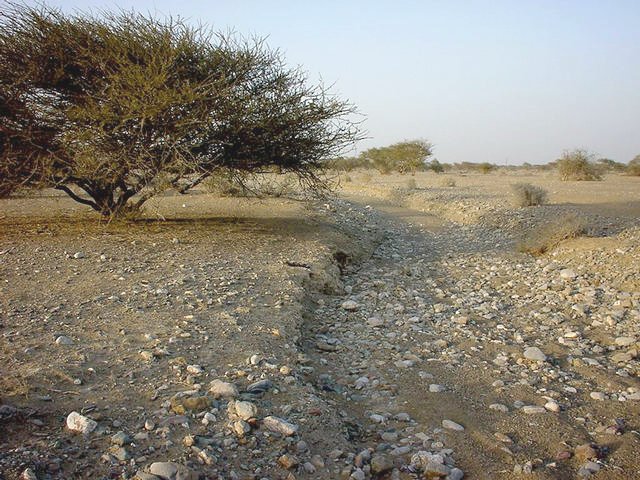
546	237
411	184
366	178
634	167
527	195
436	166
577	165
486	167
224	185
448	182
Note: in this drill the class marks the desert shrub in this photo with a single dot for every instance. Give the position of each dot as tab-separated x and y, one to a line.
366	178
485	167
275	186
634	167
436	166
448	182
577	165
348	164
545	237
100	106
403	157
411	184
347	179
223	184
527	195
608	165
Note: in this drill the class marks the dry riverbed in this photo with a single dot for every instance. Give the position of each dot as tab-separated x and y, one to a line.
393	333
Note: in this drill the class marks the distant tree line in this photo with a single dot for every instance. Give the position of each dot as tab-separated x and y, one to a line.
415	155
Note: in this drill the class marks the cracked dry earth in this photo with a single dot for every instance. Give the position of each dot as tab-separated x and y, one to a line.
438	352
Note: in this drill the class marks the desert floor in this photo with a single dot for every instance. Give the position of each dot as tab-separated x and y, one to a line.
393	332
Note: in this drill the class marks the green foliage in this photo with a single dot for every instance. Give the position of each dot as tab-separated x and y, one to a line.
527	195
608	165
577	165
103	107
348	164
436	166
402	157
485	167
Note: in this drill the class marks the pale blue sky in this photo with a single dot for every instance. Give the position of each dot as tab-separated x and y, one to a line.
495	81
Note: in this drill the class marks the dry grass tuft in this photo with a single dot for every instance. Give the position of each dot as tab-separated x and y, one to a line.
223	186
527	195
448	182
546	237
366	178
411	184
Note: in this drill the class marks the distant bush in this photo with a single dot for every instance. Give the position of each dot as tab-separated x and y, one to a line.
548	236
224	185
436	166
608	165
448	182
402	157
411	184
485	167
348	164
634	167
366	178
527	195
577	165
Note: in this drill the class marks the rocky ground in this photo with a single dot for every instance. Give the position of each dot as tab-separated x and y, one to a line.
358	338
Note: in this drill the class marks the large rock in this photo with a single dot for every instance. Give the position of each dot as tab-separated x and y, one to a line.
220	389
534	354
280	426
80	424
245	410
451	425
172	471
381	464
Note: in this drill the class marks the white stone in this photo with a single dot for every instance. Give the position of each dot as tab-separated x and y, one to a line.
63	340
533	409
451	425
350	305
279	425
552	406
568	274
535	354
80	424
499	407
219	389
246	410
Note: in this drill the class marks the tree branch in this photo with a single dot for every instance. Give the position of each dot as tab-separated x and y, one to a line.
75	197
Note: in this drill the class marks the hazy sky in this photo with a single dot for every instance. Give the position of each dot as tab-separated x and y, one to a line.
496	81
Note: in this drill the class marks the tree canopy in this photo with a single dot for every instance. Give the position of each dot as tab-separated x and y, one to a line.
114	108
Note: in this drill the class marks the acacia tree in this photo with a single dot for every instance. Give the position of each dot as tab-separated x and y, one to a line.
113	109
403	157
